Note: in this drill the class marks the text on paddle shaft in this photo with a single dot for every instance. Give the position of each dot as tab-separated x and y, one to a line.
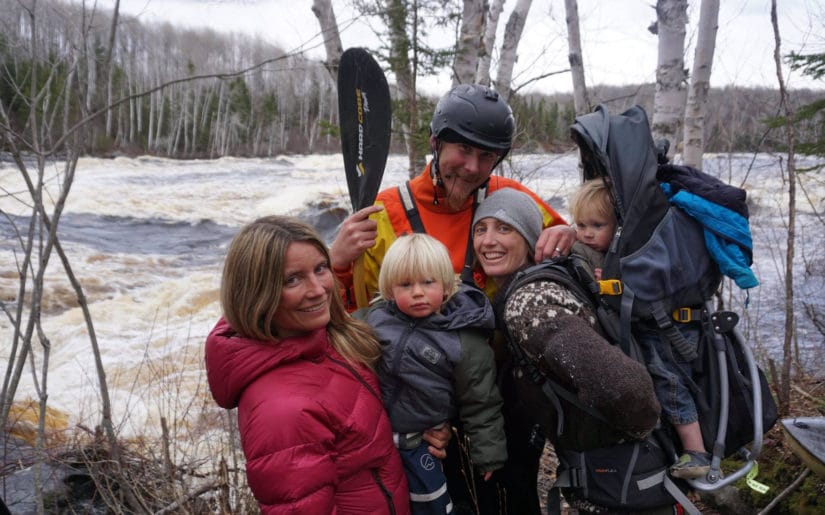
363	106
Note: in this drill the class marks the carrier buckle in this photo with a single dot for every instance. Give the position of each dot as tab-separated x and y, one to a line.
685	315
610	287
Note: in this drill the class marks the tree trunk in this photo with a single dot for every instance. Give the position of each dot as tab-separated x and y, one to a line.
332	38
509	47
669	100
784	388
490	27
107	65
470	45
694	142
581	100
405	71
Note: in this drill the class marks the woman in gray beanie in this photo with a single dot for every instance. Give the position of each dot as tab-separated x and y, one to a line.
560	333
506	226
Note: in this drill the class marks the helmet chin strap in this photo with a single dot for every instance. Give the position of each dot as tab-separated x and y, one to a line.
435	173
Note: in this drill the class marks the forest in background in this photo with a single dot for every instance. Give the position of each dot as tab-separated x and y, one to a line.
179	93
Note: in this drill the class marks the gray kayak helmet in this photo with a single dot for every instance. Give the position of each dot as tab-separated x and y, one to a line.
477	114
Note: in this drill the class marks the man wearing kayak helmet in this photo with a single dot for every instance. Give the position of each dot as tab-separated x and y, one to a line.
479	122
471	133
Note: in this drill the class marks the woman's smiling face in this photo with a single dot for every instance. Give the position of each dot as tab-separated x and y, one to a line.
499	248
305	298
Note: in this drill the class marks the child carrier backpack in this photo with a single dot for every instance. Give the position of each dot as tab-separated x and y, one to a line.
597	463
665	263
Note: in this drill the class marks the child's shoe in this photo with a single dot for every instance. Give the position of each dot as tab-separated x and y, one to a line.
691	465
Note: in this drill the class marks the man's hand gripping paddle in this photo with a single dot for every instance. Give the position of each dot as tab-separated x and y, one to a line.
365	113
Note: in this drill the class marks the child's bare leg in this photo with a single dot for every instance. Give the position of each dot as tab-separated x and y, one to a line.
691	436
695	461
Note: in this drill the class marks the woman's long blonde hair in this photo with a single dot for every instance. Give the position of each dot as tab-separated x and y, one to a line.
253	279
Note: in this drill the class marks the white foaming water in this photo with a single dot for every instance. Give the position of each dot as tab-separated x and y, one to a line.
146	237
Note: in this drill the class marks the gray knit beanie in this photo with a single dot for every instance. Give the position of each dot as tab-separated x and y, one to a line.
514	208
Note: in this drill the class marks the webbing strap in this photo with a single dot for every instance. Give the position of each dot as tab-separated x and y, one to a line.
630	467
685	348
469	254
651	480
548	391
680	496
625	313
410	208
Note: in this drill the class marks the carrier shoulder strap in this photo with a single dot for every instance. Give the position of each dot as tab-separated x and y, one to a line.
560	270
411	210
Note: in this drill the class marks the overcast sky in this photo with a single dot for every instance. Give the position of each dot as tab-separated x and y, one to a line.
617	47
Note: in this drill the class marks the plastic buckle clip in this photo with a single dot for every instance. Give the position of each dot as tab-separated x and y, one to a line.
610	287
683	315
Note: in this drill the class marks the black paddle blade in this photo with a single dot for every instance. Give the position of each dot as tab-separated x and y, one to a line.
365	114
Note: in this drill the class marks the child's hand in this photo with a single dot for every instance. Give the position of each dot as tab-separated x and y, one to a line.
597	272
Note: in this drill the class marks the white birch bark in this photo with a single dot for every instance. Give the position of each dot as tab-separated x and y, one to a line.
150	132
159	112
107	65
581	100
490	27
329	29
509	47
669	99
470	45
694	141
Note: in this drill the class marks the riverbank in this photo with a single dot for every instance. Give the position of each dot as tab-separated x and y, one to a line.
79	473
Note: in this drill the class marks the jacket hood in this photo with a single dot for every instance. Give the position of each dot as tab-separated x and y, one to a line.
234	362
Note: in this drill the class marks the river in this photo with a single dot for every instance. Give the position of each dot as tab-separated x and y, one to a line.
146	237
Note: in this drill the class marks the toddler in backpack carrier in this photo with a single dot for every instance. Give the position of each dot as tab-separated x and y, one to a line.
594	215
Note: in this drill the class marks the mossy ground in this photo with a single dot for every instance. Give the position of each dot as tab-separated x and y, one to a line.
779	467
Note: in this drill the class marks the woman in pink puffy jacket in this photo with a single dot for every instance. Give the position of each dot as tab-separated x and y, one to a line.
300	371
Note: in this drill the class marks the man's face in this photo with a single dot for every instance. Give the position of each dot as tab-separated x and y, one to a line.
463	169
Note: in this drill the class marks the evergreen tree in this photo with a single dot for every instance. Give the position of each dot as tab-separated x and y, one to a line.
811	115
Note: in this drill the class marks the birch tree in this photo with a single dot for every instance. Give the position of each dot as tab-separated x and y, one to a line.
509	47
669	99
107	64
470	44
696	107
490	28
329	30
581	100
